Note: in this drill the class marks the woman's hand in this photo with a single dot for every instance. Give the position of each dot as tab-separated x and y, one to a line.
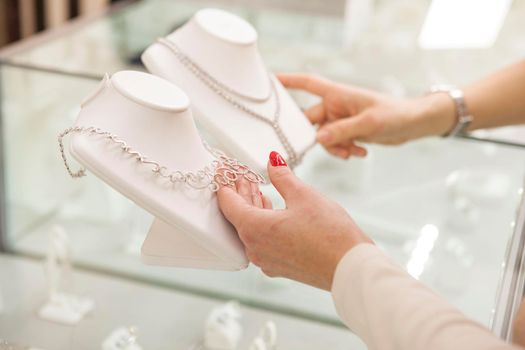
303	242
518	326
348	114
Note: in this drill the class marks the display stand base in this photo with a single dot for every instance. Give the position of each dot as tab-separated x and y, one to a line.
66	309
165	245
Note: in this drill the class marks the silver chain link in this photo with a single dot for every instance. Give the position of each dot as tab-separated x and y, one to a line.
227	93
223	170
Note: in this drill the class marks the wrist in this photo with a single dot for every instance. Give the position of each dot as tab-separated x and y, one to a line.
341	251
342	257
434	114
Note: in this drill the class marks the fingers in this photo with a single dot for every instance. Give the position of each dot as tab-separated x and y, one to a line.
267	203
316	113
233	206
281	176
244	189
315	85
346	151
256	195
339	151
359	151
249	191
343	130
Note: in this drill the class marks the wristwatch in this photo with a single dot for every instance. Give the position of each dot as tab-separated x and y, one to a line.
463	117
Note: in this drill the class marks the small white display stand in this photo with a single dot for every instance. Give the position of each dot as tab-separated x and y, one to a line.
223	330
267	338
153	117
122	338
62	307
226	47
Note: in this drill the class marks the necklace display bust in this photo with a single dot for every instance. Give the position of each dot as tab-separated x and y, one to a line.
224	46
153	117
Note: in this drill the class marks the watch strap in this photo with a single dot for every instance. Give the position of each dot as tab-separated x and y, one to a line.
463	116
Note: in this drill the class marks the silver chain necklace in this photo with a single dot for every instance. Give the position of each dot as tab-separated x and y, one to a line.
227	93
223	170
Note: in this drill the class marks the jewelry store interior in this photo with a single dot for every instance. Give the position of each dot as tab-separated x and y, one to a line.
110	233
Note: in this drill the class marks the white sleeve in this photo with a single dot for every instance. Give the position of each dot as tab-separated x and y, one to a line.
390	310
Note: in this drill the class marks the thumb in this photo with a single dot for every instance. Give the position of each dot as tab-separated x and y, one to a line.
282	177
342	130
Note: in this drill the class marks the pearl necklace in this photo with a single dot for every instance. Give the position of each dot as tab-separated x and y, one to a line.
228	94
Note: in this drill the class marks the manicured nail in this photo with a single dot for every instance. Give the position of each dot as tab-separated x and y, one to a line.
360	152
260	193
276	159
342	153
323	136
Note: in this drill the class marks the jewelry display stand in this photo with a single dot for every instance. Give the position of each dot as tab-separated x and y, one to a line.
223	330
122	338
267	338
138	118
214	57
62	307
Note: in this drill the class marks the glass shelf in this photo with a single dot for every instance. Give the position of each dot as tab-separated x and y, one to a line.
466	192
385	57
443	208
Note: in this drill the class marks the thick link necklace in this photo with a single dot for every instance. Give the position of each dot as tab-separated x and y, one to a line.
228	94
223	170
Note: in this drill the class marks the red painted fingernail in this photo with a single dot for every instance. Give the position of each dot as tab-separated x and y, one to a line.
276	159
260	193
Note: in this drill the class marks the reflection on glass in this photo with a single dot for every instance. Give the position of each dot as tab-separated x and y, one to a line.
463	24
423	248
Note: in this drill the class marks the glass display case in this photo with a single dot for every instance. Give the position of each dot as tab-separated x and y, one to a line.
447	209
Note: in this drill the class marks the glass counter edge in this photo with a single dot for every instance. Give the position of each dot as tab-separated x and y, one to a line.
512	281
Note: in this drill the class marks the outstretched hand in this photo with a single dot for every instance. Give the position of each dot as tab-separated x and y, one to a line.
348	114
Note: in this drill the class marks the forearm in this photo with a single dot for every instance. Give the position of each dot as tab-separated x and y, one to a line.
497	100
390	310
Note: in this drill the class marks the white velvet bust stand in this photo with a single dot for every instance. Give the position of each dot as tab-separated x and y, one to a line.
153	117
226	47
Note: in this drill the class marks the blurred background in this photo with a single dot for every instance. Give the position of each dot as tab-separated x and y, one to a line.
22	18
445	209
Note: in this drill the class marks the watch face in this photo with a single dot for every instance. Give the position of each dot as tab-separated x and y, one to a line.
456	94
